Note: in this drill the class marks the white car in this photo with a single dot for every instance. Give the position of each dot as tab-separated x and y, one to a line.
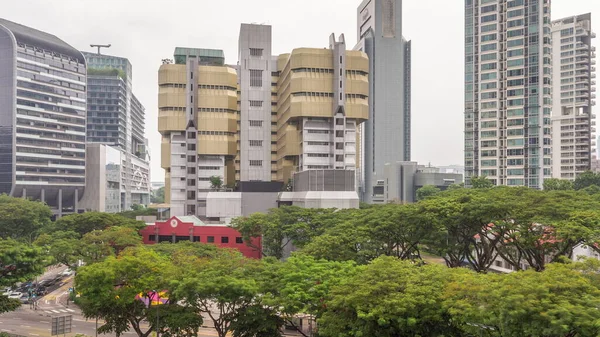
67	272
15	295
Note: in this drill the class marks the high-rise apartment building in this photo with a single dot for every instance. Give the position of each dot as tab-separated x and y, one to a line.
297	126
116	119
386	135
573	58
197	119
508	72
42	117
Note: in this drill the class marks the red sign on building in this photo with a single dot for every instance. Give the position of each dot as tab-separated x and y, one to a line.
190	228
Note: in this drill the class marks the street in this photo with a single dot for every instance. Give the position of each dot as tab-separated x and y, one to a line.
27	322
36	321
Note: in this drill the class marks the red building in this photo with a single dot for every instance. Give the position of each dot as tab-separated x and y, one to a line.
190	228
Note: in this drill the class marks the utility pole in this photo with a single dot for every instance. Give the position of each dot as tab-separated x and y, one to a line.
100	46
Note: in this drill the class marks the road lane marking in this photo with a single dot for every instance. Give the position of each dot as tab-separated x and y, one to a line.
40	322
33	334
27	326
55	311
71	310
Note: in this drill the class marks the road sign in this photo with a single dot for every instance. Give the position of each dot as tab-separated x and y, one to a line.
61	325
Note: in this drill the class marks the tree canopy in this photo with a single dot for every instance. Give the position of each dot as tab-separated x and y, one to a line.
22	219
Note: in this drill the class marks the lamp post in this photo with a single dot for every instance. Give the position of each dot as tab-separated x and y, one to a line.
157	295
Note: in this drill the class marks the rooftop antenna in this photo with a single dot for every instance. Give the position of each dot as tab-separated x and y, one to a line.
100	46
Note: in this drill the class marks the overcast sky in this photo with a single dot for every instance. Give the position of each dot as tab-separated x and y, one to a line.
146	31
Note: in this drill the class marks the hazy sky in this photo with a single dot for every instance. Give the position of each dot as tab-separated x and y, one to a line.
146	31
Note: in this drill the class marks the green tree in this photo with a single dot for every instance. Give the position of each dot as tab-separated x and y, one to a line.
585	179
62	247
555	184
216	182
554	303
456	186
113	291
302	284
22	218
131	214
591	190
256	320
283	227
99	244
427	191
389	297
19	262
221	288
481	182
90	221
158	196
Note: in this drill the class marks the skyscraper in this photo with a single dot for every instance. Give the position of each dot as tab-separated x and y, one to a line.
573	138
116	119
508	91
386	135
42	117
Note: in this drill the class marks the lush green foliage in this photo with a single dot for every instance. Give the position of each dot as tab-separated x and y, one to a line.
90	221
22	219
427	191
586	179
555	184
158	196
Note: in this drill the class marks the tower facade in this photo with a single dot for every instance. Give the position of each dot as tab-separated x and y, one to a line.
386	134
574	79
43	89
508	98
198	122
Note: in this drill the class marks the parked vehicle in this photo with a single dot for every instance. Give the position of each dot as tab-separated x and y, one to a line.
24	299
15	295
67	272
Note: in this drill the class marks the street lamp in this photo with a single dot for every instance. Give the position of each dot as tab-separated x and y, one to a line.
157	295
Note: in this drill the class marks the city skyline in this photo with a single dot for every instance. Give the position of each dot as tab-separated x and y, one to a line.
437	81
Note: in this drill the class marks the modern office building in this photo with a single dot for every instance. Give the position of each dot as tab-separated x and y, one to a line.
508	84
386	135
296	129
42	117
574	80
197	119
116	119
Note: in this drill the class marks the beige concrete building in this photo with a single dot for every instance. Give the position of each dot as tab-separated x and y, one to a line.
261	125
197	119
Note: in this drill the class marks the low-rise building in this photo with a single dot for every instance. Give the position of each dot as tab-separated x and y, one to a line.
190	228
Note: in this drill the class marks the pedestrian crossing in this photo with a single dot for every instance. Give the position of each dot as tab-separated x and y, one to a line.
59	311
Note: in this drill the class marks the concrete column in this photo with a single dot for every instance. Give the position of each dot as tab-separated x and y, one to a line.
43	195
24	193
59	203
76	201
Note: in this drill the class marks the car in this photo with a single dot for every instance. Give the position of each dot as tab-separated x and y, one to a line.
67	272
15	295
24	299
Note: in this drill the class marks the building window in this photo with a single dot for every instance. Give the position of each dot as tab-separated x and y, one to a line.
255	78
256	52
191	182
210	239
256	162
224	239
191	170
256	123
179	238
151	238
256	104
191	159
191	195
256	143
239	239
191	135
196	239
191	147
